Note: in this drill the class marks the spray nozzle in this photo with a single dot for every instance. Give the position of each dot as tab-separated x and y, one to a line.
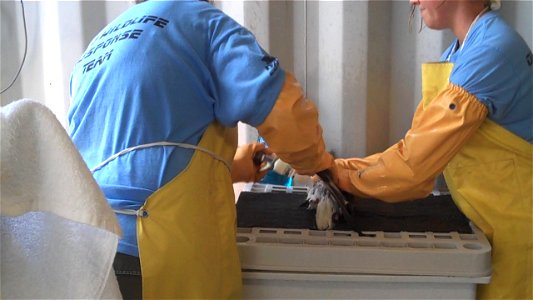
271	162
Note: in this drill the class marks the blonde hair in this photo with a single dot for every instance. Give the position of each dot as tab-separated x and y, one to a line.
411	17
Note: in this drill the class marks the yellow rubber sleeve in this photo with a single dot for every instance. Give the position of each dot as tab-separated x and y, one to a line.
293	132
407	170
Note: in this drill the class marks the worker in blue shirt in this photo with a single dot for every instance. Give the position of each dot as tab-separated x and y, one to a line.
474	122
156	98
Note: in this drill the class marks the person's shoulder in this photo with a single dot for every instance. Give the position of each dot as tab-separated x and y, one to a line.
498	35
494	44
180	7
174	3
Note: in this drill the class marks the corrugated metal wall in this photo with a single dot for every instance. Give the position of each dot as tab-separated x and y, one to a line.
358	61
355	59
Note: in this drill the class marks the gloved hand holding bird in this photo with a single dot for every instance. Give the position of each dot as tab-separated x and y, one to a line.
323	195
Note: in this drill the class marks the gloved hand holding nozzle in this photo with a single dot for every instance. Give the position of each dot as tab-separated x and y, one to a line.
245	167
272	162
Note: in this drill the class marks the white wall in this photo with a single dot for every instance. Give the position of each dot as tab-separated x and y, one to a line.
355	59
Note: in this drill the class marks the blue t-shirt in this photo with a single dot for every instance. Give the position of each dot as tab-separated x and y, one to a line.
163	71
494	65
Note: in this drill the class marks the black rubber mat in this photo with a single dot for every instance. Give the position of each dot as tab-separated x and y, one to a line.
285	210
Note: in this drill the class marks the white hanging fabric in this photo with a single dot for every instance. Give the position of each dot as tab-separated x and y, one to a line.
58	234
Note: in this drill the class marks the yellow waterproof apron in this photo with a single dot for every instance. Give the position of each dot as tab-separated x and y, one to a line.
491	181
186	231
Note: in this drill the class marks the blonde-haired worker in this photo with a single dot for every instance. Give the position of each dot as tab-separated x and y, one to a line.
474	122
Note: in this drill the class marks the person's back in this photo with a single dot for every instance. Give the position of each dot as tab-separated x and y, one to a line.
159	73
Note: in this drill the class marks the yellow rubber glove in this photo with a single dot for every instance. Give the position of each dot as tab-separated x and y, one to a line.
243	168
293	132
408	169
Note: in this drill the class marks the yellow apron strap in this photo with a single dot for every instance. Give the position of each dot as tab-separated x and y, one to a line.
187	242
435	78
